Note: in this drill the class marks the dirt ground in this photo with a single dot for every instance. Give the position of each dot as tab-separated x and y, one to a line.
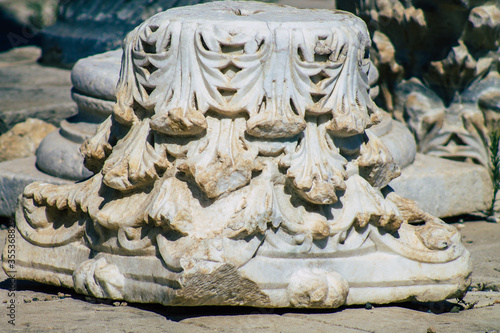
41	308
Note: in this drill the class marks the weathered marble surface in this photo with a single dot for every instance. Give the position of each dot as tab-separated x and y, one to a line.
238	168
439	67
94	81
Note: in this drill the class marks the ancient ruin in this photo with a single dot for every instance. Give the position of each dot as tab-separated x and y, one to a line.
239	168
439	63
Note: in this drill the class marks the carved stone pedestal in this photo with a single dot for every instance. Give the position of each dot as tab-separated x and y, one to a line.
238	168
94	81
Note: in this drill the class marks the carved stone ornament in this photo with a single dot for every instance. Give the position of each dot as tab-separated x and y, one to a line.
439	62
238	169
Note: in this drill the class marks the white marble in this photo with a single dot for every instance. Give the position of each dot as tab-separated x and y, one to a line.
238	168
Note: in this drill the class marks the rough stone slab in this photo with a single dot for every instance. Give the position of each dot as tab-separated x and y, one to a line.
14	176
29	90
268	323
445	188
483	241
398	319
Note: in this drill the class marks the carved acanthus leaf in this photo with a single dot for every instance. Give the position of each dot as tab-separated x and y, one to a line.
258	208
123	111
169	78
182	70
348	95
376	163
409	209
483	29
48	226
97	148
134	162
287	89
316	167
73	197
456	72
171	207
224	160
364	205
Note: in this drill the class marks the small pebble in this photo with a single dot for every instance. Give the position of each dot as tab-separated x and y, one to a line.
120	303
90	299
368	306
492	219
5	301
431	329
35	299
455	309
469	242
27	301
60	295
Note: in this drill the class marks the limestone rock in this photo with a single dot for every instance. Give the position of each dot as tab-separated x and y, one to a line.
23	139
29	90
443	188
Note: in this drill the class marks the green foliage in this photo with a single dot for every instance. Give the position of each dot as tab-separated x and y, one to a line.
494	167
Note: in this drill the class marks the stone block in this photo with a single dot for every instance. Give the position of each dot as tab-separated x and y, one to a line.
14	176
445	188
30	90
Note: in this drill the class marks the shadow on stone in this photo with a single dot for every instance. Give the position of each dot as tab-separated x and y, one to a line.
14	33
